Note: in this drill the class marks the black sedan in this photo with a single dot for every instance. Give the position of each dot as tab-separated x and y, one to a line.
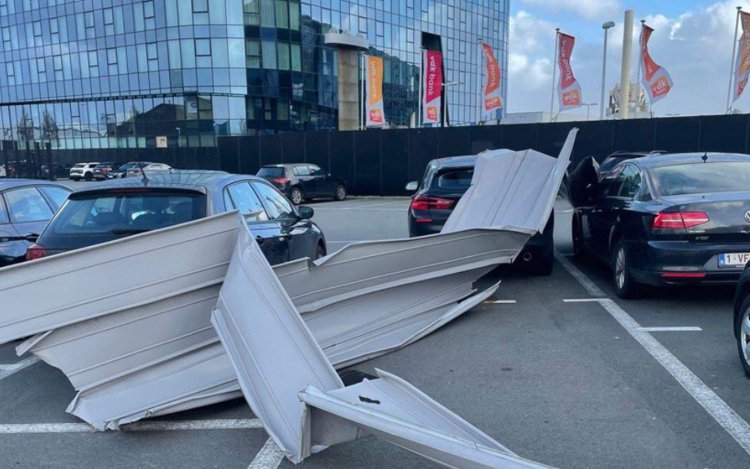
444	182
302	181
123	207
671	219
26	206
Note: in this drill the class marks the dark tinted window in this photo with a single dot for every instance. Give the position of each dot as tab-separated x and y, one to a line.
608	164
631	182
315	170
458	179
122	214
27	205
3	212
301	171
271	172
701	178
276	204
240	196
58	195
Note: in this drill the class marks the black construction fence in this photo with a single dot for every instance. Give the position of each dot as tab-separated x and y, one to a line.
381	162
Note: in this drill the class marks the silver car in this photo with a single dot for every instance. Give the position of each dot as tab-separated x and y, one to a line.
137	170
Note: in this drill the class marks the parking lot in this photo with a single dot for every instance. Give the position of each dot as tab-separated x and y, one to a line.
553	367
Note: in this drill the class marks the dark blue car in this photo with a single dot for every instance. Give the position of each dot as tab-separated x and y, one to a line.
26	206
671	219
123	207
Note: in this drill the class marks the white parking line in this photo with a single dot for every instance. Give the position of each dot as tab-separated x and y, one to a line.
7	370
581	300
269	457
145	426
724	415
585	282
501	302
672	329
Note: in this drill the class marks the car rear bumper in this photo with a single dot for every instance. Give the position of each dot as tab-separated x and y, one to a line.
685	263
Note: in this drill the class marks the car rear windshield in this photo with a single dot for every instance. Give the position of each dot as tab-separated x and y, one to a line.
271	172
702	178
114	215
456	180
79	165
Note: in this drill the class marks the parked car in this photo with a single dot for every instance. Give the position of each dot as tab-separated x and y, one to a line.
123	207
618	157
83	171
139	168
444	182
742	319
302	181
122	171
26	206
671	219
102	170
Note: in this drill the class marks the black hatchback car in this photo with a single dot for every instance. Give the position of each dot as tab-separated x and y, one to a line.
303	181
668	220
444	182
123	207
26	206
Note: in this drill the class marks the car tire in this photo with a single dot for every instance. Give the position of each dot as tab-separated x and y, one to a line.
625	286
743	337
295	195
88	176
340	193
320	251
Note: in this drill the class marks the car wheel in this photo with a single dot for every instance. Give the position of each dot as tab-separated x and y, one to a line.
296	195
88	176
340	192
625	286
320	251
743	335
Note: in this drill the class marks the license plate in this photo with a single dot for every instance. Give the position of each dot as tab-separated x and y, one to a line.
734	259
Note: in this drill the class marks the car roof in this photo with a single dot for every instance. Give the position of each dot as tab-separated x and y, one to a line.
198	180
454	161
287	165
671	159
13	182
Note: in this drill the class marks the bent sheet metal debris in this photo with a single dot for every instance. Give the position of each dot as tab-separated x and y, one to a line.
304	405
157	350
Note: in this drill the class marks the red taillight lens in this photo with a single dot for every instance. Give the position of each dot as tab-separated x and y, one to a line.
280	180
676	220
35	251
427	202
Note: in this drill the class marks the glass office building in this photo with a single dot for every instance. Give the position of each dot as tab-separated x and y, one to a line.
78	74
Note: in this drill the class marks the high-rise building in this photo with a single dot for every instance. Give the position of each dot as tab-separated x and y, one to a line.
79	74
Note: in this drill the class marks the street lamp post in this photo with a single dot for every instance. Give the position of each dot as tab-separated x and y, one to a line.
605	27
588	109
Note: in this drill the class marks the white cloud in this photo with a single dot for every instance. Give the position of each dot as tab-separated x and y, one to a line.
694	46
587	9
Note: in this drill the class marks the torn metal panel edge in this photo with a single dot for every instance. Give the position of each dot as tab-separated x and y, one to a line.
260	328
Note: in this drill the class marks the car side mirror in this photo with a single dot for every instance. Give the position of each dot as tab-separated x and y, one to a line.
412	186
305	212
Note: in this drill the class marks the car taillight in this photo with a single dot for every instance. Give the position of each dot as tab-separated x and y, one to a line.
35	251
427	202
280	180
676	220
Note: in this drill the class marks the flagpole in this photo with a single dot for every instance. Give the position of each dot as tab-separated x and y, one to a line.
362	96
420	122
734	57
481	81
554	73
638	74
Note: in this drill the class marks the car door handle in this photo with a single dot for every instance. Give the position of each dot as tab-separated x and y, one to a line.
260	239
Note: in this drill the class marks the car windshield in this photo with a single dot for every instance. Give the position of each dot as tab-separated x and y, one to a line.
79	165
702	178
271	172
113	215
453	179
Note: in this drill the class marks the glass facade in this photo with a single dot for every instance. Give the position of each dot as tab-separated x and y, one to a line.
118	73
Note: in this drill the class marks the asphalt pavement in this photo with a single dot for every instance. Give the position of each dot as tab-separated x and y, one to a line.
556	368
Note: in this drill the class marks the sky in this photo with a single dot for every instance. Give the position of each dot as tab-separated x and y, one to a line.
692	40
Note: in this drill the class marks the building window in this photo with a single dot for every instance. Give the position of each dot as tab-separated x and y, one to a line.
296	58
283	49
252	12
6	39
269	54
112	61
267	13
10	73
89	24
57	63
282	14
148	15
109	22
252	53
203	52
294	15
152	56
54	30
93	64
200	6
